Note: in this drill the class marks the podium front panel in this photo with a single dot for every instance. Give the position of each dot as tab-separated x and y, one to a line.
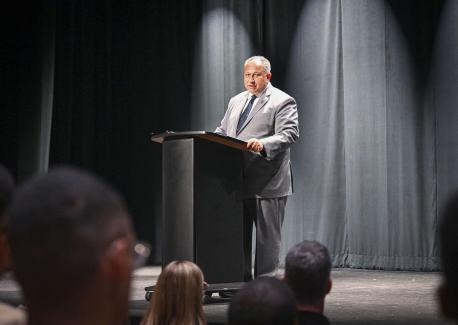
203	211
178	201
218	211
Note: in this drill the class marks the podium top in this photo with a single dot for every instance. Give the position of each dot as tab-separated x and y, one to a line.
209	136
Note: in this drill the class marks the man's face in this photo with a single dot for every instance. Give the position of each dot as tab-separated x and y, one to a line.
256	78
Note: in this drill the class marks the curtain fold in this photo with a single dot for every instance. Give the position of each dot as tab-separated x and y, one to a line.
229	32
27	72
313	75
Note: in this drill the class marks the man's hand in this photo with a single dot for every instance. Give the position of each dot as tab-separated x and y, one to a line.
254	145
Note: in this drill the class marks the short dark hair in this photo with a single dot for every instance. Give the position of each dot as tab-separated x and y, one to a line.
264	301
60	225
6	191
449	247
307	270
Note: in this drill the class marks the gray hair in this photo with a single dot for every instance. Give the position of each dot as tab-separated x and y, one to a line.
259	60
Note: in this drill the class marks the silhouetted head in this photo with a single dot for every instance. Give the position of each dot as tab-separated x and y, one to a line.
307	271
71	241
264	301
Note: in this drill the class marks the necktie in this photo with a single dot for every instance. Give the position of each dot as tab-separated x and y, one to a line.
245	114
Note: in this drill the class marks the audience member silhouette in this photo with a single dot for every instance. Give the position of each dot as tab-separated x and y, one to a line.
448	290
72	248
308	272
8	314
177	298
264	301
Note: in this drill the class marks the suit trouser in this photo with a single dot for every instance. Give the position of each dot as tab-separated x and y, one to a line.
267	215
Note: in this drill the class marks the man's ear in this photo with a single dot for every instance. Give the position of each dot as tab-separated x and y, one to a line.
329	286
269	76
446	305
118	259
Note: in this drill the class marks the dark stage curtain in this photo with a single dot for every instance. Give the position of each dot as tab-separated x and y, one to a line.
123	70
26	75
374	81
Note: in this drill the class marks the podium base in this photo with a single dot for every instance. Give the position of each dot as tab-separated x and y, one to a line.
225	292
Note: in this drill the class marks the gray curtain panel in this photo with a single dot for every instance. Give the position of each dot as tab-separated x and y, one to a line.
375	88
317	210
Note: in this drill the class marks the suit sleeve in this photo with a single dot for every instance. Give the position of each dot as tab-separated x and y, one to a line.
286	130
222	128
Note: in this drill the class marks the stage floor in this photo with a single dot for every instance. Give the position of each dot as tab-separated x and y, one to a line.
357	297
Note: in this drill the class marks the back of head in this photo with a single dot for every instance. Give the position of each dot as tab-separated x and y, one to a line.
61	225
177	296
266	301
449	252
307	271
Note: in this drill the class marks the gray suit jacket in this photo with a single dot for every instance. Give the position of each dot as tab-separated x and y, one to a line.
274	121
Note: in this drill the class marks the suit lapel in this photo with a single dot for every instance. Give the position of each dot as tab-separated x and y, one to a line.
237	112
260	104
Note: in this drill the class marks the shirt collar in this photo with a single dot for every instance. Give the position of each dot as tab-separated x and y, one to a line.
262	94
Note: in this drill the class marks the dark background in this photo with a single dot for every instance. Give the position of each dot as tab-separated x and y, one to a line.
86	82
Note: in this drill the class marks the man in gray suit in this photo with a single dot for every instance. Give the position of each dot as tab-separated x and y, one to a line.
266	118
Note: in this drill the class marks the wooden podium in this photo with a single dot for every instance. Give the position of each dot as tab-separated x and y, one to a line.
202	202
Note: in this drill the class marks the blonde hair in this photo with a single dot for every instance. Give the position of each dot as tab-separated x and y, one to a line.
177	297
